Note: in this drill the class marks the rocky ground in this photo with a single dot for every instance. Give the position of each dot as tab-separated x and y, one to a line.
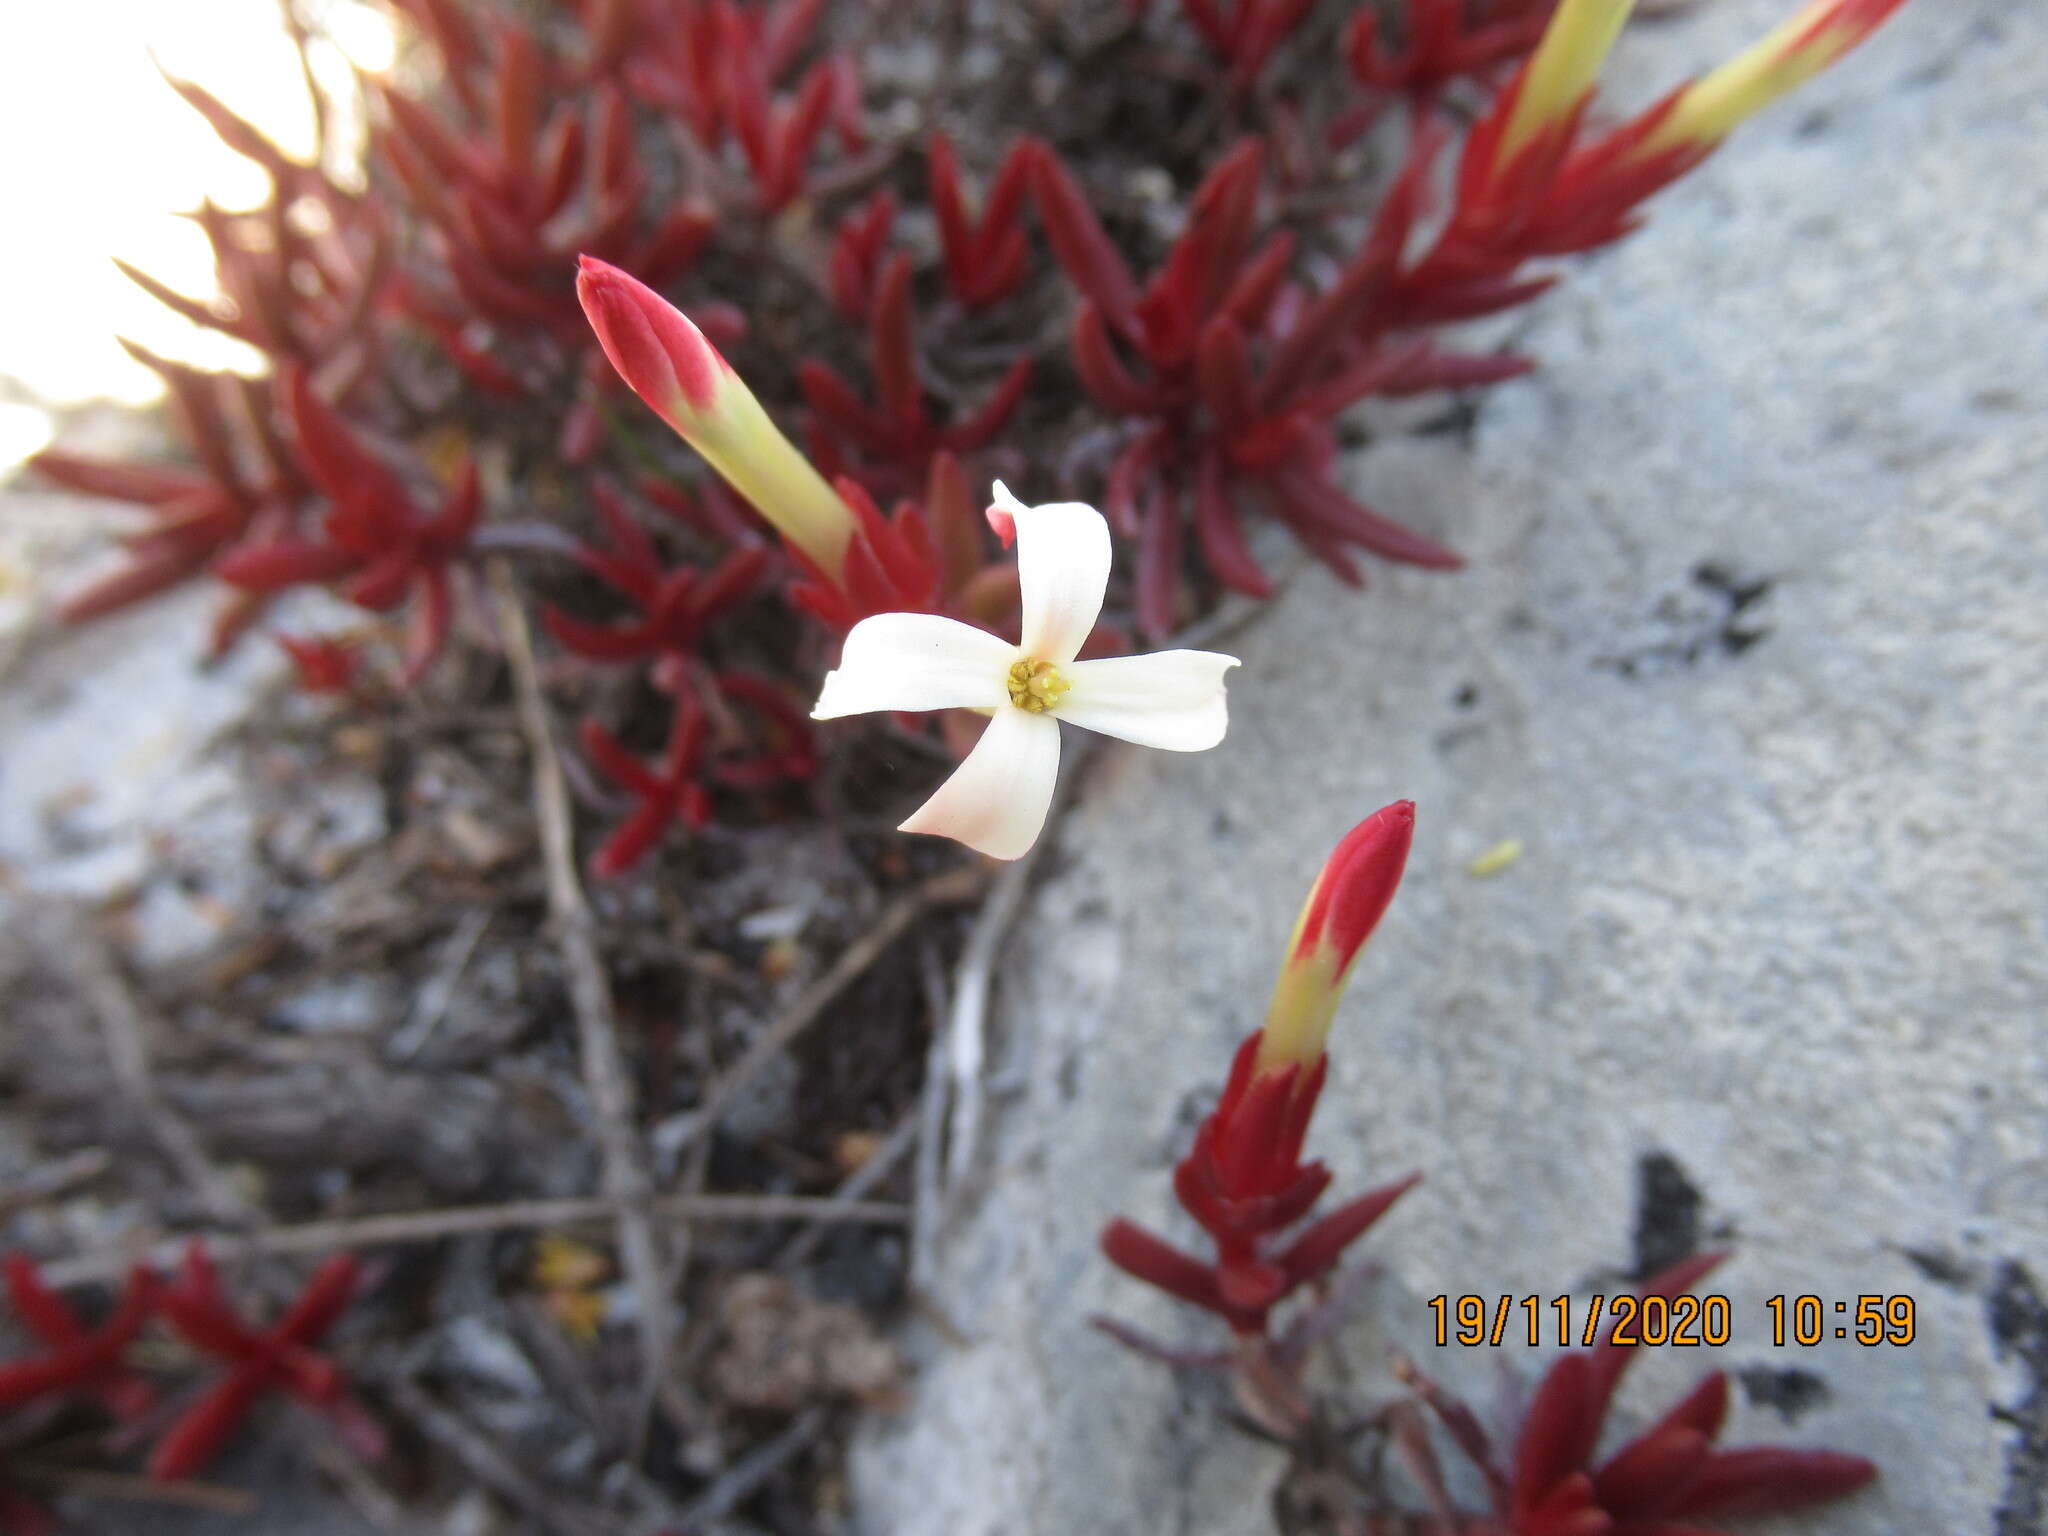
1749	660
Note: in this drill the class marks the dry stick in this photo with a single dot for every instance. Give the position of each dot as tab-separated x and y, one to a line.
927	1178
856	1184
967	1027
966	1030
48	1180
431	1003
214	1498
126	1034
739	1481
476	1220
344	1468
949	888
490	1467
626	1178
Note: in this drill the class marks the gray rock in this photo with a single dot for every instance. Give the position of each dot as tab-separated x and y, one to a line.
1776	937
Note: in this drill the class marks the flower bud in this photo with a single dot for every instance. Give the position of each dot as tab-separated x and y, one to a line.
1343	908
1705	112
676	371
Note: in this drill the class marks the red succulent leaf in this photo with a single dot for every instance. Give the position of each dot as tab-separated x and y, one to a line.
1763	1479
1652	1475
983	260
987	420
1316	1251
668	793
1078	239
1611	1359
1220	535
1137	1252
234	131
1159	562
280	1358
78	1357
1559	1431
1102	371
145	484
270	565
203	1430
324	665
854	263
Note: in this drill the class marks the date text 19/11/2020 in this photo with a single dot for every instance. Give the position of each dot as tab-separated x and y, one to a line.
1678	1322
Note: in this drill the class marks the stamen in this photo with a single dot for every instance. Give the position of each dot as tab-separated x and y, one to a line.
1036	686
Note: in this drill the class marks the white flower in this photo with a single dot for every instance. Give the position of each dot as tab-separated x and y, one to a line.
997	798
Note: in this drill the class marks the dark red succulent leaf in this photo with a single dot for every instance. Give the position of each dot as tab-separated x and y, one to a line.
1244	32
529	176
1244	1184
1079	242
899	430
751	735
1316	1250
1761	1480
892	566
984	258
854	265
1651	1476
281	1358
77	1357
779	747
1151	1259
1559	1431
1236	376
676	603
718	67
1441	42
667	794
324	664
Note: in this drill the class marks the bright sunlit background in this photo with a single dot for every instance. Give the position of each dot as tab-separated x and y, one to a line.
100	158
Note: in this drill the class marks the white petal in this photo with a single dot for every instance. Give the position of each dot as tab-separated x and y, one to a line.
997	798
1169	699
916	661
1062	567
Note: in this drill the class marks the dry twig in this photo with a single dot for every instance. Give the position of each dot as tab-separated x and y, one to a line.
967	1024
733	1486
489	1466
51	1179
474	1220
368	1497
126	1033
928	1173
949	888
430	1004
881	1162
626	1178
126	1488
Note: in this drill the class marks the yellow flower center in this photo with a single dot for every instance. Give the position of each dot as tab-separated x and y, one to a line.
1036	686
